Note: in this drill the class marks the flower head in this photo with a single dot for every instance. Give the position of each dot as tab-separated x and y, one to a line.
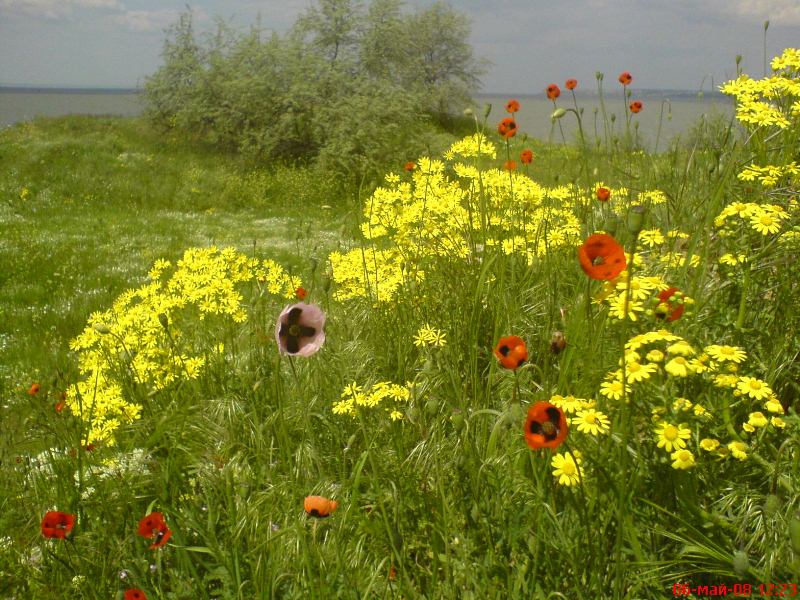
671	437
601	257
738	450
34	389
526	157
319	506
510	165
566	469
301	293
507	127
409	166
682	459
545	426
512	106
636	106
57	524
299	330
755	388
153	526
553	91
625	78
571	84
590	421
135	594
511	351
603	194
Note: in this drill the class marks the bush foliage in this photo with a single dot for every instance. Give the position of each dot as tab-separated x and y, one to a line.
351	87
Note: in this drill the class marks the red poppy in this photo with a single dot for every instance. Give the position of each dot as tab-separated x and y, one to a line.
510	165
636	106
512	106
154	527
668	308
553	91
511	352
319	506
409	166
392	573
34	389
601	257
301	293
603	194
571	84
507	127
526	156
135	594
57	524
60	405
625	78
546	426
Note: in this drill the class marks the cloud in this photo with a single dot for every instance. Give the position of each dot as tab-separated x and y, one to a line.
780	12
149	20
57	9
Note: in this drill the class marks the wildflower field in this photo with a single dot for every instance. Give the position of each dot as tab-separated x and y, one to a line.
510	369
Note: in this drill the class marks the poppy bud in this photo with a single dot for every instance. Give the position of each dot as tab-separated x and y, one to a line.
487	108
740	563
468	112
457	419
636	219
162	318
431	407
558	342
558	113
771	505
598	75
794	534
101	328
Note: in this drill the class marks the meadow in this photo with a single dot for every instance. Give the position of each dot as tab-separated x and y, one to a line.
507	369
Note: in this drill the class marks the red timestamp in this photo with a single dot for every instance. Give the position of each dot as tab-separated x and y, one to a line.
745	590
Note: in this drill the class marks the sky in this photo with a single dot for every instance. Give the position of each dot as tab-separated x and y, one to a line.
665	44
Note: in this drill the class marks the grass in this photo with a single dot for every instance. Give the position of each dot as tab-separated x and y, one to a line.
446	501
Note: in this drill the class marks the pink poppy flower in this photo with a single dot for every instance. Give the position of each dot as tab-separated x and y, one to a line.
299	330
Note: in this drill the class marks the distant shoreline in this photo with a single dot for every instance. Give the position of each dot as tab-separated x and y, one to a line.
33	89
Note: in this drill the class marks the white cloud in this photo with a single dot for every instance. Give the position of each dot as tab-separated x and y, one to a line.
779	12
56	9
147	20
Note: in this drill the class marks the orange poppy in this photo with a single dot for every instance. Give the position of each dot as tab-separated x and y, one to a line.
512	106
318	506
625	78
603	194
553	91
135	594
34	389
511	352
526	156
410	166
301	293
636	106
510	165
571	84
669	309
601	257
545	426
507	127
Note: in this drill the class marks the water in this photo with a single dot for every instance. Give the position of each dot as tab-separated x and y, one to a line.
24	104
677	112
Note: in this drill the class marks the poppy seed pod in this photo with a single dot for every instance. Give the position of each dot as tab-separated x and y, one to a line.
636	219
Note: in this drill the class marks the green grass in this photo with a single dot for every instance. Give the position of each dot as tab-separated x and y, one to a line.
449	499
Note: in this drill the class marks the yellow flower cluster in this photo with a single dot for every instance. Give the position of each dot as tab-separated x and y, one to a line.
443	208
430	336
765	219
769	175
144	338
354	397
